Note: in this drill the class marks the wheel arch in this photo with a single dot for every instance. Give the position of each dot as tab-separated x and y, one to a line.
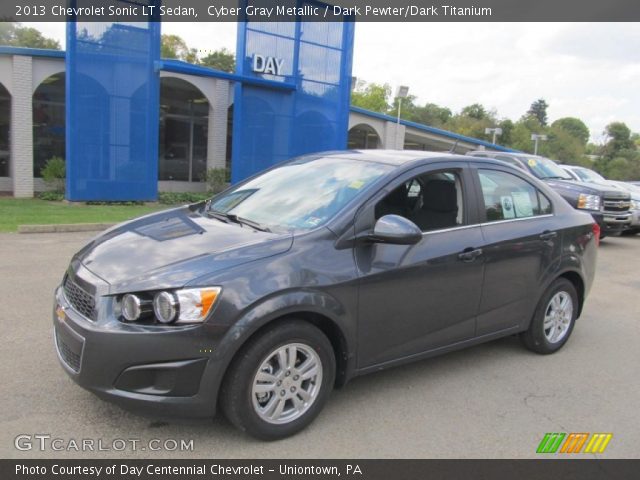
578	282
330	319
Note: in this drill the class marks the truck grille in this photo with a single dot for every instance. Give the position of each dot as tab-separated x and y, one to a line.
616	205
83	302
67	355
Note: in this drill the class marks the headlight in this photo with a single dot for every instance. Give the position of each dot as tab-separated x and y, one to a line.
189	305
635	205
589	202
133	307
165	306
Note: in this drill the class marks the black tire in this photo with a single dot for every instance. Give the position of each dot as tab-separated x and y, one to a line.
237	400
535	338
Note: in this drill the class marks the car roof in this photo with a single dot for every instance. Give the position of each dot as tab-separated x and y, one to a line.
400	157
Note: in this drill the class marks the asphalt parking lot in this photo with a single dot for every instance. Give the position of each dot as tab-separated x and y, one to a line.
492	401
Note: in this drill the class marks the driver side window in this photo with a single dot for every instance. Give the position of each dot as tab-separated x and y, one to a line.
432	201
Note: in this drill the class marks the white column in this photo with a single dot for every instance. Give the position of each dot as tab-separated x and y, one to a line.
393	136
22	127
217	140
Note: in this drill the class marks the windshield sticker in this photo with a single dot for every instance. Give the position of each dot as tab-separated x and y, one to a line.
522	204
507	206
312	221
532	162
356	184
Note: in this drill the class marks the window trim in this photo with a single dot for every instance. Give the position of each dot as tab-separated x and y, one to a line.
472	215
458	171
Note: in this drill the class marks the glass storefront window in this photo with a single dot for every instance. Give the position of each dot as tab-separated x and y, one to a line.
48	122
5	122
362	137
184	122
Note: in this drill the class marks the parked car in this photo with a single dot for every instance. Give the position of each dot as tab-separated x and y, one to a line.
587	175
583	174
634	191
326	267
608	206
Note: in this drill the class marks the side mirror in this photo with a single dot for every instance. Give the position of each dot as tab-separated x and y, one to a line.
395	230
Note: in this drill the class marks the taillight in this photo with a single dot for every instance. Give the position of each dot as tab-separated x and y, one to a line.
596	233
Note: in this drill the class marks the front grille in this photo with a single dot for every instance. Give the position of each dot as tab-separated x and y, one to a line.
68	356
616	205
83	302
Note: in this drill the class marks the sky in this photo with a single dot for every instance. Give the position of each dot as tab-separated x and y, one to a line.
585	70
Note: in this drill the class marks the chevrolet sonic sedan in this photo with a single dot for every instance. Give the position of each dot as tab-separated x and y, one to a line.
264	298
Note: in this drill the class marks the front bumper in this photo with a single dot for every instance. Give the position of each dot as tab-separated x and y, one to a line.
152	370
612	222
635	219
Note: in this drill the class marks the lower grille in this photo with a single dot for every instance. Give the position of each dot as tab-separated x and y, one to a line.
68	356
83	302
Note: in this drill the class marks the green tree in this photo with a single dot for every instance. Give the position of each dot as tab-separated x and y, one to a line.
475	111
15	35
173	46
619	140
538	110
472	121
408	110
563	147
433	115
371	96
221	59
521	134
506	137
574	127
620	168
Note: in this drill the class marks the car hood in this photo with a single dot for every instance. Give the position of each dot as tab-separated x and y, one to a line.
588	188
172	248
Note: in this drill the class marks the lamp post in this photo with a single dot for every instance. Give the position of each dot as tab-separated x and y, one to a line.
401	92
495	130
536	138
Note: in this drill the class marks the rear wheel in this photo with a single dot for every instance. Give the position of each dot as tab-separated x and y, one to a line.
280	381
554	318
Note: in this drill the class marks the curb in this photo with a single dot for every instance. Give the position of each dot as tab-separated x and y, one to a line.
64	228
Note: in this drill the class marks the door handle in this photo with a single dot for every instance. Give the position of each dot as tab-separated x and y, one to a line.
470	254
547	235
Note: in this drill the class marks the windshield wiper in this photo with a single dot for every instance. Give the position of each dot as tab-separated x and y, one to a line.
251	223
231	218
556	177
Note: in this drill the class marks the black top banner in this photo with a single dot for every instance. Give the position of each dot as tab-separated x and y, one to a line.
309	10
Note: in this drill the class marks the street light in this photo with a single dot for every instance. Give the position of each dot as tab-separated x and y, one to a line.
536	137
495	130
401	92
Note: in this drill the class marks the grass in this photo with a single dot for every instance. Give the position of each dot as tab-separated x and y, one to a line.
18	211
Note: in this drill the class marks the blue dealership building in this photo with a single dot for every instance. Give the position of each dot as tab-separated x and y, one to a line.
130	123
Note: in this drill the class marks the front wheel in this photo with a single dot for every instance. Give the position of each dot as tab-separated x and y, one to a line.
554	318
279	381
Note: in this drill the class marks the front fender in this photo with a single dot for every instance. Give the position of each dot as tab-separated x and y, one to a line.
305	303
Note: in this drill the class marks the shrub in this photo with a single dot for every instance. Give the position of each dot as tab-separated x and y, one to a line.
217	180
51	196
54	173
174	198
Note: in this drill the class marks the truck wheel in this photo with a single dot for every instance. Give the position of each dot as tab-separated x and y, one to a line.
279	381
554	318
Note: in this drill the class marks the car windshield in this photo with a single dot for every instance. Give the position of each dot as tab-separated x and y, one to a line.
587	175
304	194
545	168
